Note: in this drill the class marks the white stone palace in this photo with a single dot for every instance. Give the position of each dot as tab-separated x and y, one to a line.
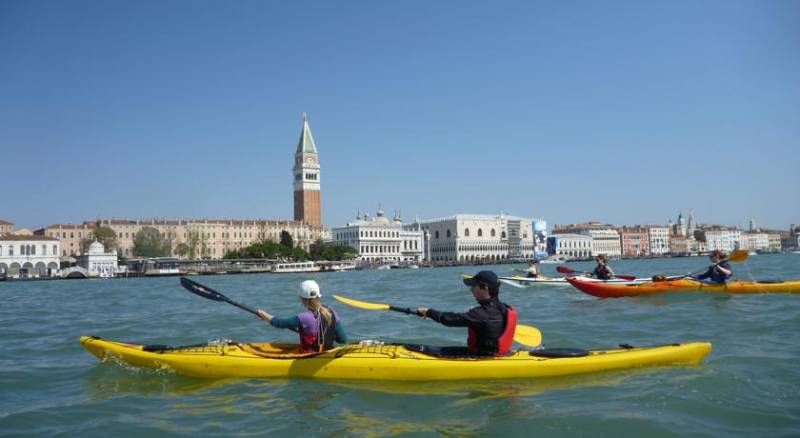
479	237
28	256
380	240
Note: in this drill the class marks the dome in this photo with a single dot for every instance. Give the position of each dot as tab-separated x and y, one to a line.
97	248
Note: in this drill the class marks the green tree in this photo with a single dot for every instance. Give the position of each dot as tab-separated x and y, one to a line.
329	251
104	235
148	242
286	239
182	249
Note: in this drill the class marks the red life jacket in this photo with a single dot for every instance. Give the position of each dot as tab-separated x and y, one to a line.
504	341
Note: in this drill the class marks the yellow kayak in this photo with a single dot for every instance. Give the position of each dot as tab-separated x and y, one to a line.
376	361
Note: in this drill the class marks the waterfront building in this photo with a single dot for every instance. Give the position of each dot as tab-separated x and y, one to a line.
98	262
570	246
679	245
205	238
720	238
479	237
605	242
6	227
774	240
307	207
659	239
379	240
69	236
635	241
754	241
581	228
28	256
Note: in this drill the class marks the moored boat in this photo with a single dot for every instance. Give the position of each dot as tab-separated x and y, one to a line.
388	362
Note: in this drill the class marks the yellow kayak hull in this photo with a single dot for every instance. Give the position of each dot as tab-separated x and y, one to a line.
380	362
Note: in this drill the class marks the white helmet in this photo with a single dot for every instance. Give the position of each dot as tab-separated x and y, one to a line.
309	289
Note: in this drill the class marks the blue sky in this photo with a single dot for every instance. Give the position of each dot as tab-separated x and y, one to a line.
624	112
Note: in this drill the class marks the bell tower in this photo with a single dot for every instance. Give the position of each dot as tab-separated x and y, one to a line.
307	206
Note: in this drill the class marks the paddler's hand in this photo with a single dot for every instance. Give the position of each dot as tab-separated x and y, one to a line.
264	315
422	312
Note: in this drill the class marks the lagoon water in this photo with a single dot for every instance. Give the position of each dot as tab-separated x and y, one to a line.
748	385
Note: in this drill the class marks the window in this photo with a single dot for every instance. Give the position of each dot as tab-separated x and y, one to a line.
448	232
503	235
436	234
55	250
1	250
480	232
466	232
492	233
11	250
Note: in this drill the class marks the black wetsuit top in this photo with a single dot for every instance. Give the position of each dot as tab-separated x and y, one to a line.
715	274
602	272
488	319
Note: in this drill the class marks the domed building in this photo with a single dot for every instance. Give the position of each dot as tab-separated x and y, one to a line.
98	262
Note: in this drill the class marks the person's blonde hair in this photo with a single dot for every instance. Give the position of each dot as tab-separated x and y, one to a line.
314	305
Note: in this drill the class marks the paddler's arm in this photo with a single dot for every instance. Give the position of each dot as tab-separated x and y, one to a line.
291	323
451	319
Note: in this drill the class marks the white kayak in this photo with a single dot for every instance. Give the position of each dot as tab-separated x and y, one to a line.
520	281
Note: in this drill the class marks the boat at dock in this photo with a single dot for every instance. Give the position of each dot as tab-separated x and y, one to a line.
294	267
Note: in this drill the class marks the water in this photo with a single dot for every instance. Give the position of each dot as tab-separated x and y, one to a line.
747	386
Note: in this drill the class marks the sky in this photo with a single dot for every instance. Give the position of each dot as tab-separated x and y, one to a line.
622	112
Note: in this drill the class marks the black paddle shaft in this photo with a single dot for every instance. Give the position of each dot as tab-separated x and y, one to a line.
208	293
405	310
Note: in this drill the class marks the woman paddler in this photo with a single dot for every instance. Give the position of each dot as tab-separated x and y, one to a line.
319	326
719	272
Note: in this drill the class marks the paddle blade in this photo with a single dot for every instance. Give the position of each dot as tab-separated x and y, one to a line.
527	335
205	292
361	304
738	256
564	270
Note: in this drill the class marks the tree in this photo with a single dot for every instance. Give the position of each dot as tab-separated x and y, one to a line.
104	235
286	239
329	251
148	242
182	250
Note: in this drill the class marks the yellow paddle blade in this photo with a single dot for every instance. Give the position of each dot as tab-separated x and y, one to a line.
361	304
527	335
738	256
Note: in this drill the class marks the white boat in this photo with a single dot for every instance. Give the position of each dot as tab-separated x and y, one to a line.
338	267
285	268
384	267
554	260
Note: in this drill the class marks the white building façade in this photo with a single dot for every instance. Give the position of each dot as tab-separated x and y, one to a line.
479	237
380	240
28	256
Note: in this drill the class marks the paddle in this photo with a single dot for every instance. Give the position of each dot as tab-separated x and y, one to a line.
206	292
524	334
566	270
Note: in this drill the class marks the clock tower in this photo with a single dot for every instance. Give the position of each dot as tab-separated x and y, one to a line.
307	207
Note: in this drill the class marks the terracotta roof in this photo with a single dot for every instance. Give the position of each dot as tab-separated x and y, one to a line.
2	222
14	237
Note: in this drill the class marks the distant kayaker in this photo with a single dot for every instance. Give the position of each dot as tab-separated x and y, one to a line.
491	324
720	271
532	270
602	271
319	325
